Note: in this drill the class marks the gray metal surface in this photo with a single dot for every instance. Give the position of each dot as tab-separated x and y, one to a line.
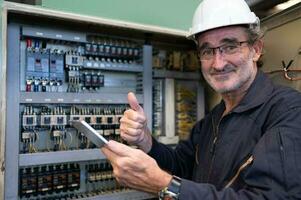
177	75
3	68
124	195
72	17
12	114
147	84
75	98
283	17
52	33
60	157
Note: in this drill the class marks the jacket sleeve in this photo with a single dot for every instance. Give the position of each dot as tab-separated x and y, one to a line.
275	172
180	160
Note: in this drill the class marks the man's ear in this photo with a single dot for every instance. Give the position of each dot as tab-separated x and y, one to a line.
258	47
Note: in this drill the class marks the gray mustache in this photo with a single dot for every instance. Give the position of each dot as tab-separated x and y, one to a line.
227	68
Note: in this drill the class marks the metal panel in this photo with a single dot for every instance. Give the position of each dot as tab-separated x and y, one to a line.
169	113
147	84
53	34
12	112
125	195
169	109
3	42
281	18
32	10
72	98
60	157
177	75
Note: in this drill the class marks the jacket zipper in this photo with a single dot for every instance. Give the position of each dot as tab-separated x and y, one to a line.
212	149
281	148
242	167
197	154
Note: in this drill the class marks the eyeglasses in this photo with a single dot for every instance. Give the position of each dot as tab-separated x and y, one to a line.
225	50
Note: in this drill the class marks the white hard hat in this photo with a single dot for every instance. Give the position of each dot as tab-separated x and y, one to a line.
212	14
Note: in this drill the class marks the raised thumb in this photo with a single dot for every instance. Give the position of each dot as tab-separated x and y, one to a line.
134	103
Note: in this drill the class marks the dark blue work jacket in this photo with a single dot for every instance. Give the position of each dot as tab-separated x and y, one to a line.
253	152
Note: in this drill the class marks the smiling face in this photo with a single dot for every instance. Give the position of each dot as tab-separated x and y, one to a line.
227	70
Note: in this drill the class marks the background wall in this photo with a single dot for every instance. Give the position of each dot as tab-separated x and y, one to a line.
176	14
284	43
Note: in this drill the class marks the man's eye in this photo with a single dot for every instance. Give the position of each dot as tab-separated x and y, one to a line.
230	48
206	52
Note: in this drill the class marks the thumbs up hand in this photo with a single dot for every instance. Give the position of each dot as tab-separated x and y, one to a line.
133	125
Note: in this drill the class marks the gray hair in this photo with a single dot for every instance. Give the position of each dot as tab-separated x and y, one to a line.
254	33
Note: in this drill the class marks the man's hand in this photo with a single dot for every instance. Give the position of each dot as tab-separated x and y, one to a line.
133	126
134	168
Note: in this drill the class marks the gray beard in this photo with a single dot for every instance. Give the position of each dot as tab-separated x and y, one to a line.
231	89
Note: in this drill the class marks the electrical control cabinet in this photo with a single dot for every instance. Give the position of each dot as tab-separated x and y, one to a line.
178	94
56	74
60	70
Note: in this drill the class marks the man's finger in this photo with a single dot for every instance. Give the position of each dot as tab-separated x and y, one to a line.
110	155
129	138
118	148
133	116
134	103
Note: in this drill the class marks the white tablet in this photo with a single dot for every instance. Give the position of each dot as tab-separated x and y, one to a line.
90	133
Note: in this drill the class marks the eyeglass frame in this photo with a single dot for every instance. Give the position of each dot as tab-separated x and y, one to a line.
221	51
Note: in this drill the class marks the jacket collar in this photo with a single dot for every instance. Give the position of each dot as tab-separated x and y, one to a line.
257	94
259	91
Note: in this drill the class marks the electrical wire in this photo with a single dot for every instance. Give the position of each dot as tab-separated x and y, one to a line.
286	70
286	73
31	145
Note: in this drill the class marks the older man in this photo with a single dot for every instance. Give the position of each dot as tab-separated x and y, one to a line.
247	147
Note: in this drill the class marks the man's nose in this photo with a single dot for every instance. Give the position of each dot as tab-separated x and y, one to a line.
218	60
